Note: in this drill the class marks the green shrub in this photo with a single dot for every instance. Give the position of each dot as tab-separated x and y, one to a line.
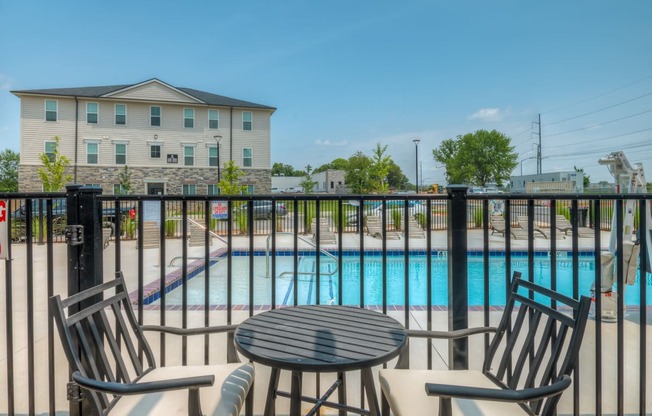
397	217
478	216
422	219
170	228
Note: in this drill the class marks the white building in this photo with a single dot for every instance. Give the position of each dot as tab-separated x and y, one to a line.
552	182
172	139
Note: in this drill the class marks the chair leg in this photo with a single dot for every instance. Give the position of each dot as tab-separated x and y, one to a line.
249	401
384	404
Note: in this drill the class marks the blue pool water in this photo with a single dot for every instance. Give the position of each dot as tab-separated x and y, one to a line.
373	281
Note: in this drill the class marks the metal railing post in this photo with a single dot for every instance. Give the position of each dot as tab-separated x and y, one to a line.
85	265
458	309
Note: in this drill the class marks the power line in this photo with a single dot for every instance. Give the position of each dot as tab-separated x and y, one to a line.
598	125
601	109
603	138
601	151
598	96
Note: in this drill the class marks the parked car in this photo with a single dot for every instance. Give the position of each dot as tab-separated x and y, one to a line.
294	190
477	190
493	191
263	209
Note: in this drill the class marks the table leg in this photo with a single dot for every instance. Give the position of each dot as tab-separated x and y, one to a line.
270	402
370	389
295	394
341	392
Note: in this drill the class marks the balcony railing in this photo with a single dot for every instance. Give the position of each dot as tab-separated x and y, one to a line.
435	263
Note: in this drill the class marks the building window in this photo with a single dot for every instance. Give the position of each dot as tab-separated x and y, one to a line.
247	157
250	189
51	110
121	114
188	155
91	113
120	154
189	189
213	189
155	151
213	119
154	116
92	153
246	120
119	189
332	185
213	159
49	150
188	118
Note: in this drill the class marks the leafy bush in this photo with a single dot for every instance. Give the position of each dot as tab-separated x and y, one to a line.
422	219
397	219
170	228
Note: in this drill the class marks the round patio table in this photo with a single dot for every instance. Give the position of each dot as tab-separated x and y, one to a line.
320	339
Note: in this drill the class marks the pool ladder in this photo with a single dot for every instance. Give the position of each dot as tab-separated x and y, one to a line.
305	240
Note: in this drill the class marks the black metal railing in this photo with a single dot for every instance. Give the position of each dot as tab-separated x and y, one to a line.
202	256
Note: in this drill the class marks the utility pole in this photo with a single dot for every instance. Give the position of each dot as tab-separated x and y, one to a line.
539	167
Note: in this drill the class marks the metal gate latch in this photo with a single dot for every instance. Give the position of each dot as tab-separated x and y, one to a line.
74	393
75	235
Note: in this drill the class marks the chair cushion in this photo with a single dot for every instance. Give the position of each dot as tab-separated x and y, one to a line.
406	394
225	397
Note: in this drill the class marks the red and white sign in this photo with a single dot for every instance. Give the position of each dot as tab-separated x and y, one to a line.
220	210
4	234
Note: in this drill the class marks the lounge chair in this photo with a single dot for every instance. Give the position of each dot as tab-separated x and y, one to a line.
523	222
526	367
565	226
113	378
414	229
497	225
375	228
326	236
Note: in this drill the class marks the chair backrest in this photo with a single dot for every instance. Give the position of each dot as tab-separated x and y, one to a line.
498	222
101	337
537	341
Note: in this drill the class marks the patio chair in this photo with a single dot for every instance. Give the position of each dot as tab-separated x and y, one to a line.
375	228
565	226
497	225
326	236
102	342
523	223
526	367
414	229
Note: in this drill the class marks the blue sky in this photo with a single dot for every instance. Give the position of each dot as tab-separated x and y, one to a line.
346	75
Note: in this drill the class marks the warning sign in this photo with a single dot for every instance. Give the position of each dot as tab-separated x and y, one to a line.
220	210
4	232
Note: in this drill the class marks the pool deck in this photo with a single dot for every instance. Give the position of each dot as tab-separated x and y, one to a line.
152	271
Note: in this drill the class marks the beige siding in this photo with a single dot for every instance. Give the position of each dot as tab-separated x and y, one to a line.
153	91
139	134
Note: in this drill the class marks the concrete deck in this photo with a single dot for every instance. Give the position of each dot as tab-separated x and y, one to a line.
351	241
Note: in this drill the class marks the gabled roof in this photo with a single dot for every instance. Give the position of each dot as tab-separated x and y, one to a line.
107	91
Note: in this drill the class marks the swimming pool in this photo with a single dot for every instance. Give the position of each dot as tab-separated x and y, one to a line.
373	282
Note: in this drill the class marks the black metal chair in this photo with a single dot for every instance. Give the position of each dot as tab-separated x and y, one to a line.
102	340
526	367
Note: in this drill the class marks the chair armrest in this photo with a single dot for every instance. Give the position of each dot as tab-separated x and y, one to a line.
126	389
460	333
231	354
190	331
500	395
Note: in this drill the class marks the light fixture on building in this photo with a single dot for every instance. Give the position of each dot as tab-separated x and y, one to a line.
156	137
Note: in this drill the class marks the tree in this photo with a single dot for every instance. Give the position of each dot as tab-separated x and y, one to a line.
477	158
281	169
230	181
337	164
307	183
396	179
53	173
379	169
125	180
9	170
357	177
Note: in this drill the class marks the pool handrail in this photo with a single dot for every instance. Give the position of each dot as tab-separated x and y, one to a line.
321	250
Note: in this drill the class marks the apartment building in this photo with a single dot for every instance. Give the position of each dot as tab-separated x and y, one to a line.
174	140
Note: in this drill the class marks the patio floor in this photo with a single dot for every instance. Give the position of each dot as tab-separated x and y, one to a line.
195	354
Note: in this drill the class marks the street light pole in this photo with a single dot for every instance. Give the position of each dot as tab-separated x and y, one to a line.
217	142
416	170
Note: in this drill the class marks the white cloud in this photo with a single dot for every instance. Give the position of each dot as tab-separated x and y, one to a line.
6	83
341	143
487	114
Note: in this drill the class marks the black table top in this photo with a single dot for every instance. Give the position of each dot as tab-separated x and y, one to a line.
320	338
